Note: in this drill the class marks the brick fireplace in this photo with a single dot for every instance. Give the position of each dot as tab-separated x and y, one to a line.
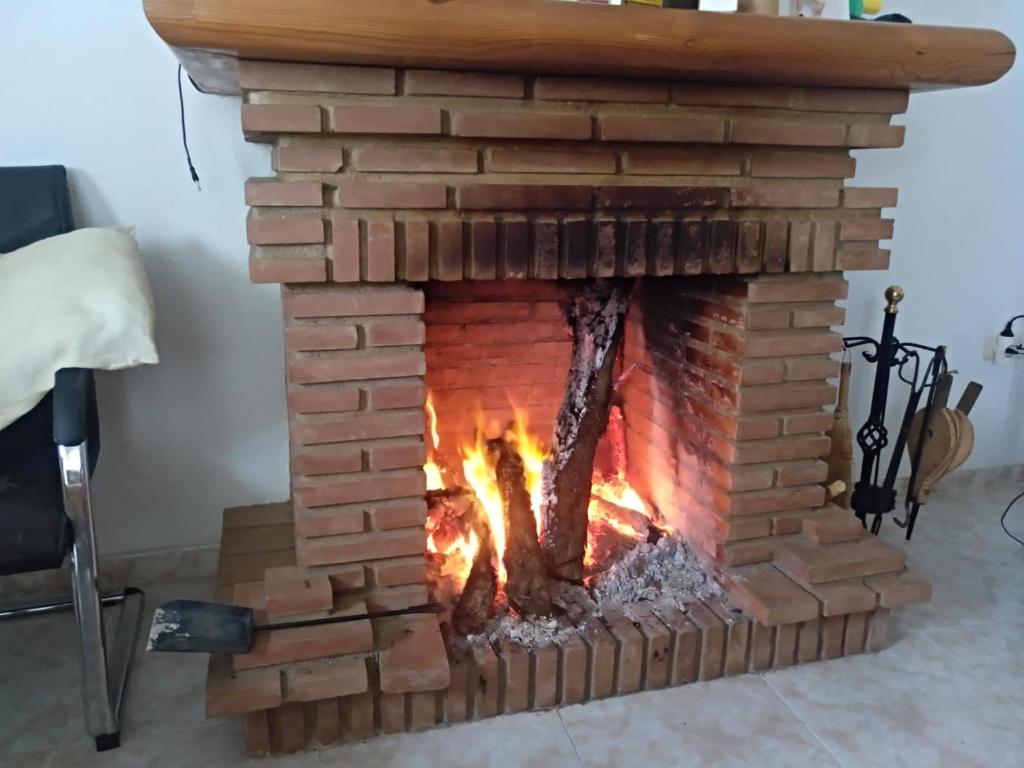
425	226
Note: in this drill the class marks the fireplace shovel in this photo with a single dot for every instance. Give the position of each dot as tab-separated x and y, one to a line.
191	626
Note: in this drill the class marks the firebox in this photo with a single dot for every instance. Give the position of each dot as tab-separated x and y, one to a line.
559	358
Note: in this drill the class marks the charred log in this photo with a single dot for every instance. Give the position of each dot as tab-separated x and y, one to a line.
477	600
596	316
527	587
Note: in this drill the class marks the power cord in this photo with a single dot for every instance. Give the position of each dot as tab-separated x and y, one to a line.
184	136
1002	520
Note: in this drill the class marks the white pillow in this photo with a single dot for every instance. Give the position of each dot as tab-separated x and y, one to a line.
79	300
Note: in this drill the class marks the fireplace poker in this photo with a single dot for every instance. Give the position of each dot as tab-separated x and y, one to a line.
193	626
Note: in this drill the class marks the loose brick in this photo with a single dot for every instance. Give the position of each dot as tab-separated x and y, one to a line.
783	133
324	78
862	258
868	197
663	129
544	161
876	135
284	230
867	229
414	160
281	118
816	564
702	162
504	197
325	679
770	596
374	194
430	82
309	159
599	89
520	125
803	165
898	590
397	456
386	120
283	193
354	302
785	196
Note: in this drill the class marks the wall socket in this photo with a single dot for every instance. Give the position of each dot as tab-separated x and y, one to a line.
1004	350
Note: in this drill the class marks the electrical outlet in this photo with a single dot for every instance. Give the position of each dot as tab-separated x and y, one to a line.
1004	350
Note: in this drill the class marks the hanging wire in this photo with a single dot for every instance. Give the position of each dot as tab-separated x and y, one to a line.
184	135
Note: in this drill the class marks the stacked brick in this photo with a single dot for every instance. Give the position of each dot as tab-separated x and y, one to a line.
418	221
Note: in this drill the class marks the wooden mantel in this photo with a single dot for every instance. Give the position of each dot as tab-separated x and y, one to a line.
546	36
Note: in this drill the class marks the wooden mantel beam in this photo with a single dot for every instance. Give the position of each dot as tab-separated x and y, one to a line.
558	37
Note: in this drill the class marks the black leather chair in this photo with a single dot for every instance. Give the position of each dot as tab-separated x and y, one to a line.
46	459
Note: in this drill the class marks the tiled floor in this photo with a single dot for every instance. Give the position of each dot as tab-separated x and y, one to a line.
949	692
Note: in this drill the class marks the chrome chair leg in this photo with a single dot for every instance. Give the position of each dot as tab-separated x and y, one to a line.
102	685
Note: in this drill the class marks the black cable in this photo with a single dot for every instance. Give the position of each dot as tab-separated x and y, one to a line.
1002	520
1008	329
184	136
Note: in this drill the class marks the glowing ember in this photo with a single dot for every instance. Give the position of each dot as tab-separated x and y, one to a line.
616	509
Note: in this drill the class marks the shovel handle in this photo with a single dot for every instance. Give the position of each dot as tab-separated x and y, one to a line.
425	608
969	398
942	389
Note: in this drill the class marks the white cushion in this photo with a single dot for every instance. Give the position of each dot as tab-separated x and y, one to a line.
79	300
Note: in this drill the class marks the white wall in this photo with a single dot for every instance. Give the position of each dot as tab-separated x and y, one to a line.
91	86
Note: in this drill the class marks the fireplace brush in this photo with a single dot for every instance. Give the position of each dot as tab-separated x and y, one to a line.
192	626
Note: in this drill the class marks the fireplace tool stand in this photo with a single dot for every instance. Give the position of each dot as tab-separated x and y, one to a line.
874	495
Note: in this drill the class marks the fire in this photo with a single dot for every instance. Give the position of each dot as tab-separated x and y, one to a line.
610	496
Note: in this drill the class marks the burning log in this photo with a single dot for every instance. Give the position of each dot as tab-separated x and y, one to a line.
527	585
474	607
596	315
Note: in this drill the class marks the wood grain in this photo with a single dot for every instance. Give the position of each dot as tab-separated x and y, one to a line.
545	36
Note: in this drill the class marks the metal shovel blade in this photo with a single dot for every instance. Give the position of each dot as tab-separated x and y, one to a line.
192	626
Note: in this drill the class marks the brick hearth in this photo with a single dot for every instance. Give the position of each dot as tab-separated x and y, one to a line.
422	224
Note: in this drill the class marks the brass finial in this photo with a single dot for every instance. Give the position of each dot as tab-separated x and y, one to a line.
894	295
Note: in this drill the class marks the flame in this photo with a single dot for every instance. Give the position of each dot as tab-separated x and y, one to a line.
479	476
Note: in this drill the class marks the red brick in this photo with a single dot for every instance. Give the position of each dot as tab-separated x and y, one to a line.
416	262
776	500
643	128
388	396
782	133
412	655
309	338
503	197
330	460
286	193
376	194
292	592
310	159
344	250
810	368
332	550
323	399
772	344
305	264
483	250
799	256
776	245
824	317
803	165
396	573
397	456
405	514
430	82
353	368
228	693
599	89
803	423
867	229
703	162
876	135
862	258
281	118
787	449
785	196
325	679
284	230
325	78
329	521
380	251
520	125
869	197
386	120
545	161
448	264
801	473
393	334
890	102
354	302
368	426
662	197
282	646
414	160
792	289
823	251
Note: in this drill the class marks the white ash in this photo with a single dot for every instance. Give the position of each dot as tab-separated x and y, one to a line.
164	623
666	574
